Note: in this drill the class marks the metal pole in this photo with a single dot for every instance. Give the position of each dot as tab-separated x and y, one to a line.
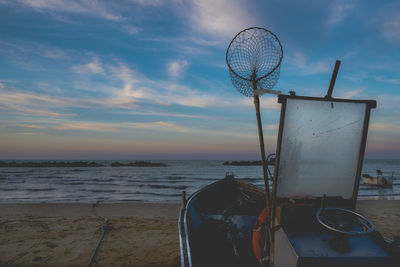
333	79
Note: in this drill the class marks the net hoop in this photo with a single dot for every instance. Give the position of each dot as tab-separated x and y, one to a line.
254	57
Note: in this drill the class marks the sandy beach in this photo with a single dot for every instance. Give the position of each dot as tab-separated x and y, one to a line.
141	234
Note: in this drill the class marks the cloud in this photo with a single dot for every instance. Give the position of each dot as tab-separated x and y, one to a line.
159	125
130	89
100	9
30	126
350	94
387	80
297	61
155	126
104	9
271	127
390	24
93	67
220	18
131	30
86	126
121	87
32	111
176	67
150	2
35	104
167	114
33	48
112	127
340	10
384	127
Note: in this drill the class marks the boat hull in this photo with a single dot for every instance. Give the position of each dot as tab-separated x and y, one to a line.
216	225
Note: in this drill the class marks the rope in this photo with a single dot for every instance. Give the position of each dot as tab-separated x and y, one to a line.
104	229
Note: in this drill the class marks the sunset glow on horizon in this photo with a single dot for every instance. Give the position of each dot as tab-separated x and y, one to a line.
136	79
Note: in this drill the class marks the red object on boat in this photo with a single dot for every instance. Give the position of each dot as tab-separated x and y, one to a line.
259	241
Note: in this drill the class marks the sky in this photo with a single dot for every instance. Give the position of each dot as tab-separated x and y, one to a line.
147	79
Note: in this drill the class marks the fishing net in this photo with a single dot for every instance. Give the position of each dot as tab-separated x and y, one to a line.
254	57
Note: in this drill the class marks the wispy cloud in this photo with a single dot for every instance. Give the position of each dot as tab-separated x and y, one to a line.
220	18
351	93
390	23
132	89
340	10
166	114
151	2
112	127
297	61
271	127
387	80
131	30
32	111
93	67
86	126
102	9
33	48
384	127
175	68
121	88
30	126
108	10
32	103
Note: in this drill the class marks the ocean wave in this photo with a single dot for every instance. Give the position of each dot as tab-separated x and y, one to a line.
100	191
156	186
47	177
70	183
251	180
7	181
175	177
140	182
102	180
156	194
9	189
39	189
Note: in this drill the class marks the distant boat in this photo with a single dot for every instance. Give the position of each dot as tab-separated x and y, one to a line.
378	180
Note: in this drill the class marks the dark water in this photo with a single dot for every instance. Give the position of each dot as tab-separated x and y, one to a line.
150	184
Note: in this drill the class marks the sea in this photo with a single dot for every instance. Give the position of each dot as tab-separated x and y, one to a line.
148	184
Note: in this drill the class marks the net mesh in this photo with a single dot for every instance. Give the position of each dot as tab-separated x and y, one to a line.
255	54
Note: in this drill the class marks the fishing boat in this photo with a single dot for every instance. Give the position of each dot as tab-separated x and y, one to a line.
378	180
308	218
216	224
312	219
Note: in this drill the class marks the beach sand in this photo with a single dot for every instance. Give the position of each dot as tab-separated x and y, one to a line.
142	234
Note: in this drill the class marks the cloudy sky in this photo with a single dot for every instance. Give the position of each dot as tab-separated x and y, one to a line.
147	79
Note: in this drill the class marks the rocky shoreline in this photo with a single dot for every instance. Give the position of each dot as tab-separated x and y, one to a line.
47	164
138	164
50	164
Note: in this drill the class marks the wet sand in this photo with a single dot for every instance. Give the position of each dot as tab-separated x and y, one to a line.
141	234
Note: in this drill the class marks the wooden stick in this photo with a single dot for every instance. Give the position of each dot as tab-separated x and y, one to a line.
262	149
